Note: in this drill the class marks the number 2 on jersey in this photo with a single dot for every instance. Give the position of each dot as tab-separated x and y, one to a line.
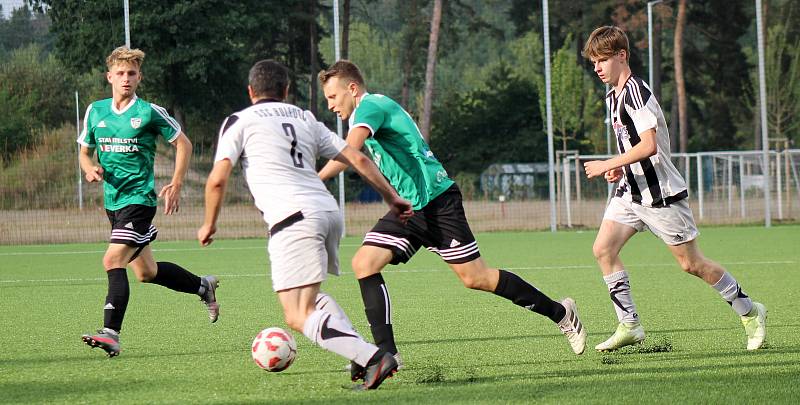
297	158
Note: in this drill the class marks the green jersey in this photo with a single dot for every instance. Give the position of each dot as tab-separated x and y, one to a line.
399	151
126	146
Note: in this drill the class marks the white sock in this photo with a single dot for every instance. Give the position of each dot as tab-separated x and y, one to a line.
731	292
326	303
619	288
334	334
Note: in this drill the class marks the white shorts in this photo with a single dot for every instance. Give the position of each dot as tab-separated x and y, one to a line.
305	251
674	224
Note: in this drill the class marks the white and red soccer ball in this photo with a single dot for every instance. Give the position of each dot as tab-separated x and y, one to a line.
274	349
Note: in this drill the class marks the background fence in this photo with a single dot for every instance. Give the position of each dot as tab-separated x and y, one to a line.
43	201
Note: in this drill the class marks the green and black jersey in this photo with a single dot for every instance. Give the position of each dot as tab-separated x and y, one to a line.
126	146
399	151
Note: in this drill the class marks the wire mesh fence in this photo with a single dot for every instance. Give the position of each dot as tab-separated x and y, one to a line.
43	198
724	187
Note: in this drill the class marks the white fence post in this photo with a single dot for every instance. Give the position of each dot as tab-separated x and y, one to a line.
567	186
700	183
780	184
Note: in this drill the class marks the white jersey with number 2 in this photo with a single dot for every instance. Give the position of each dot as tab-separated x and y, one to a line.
278	144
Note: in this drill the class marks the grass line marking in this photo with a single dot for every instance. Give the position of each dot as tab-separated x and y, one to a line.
419	270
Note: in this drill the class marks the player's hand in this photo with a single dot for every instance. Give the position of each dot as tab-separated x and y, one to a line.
595	168
172	197
205	233
614	175
96	174
402	208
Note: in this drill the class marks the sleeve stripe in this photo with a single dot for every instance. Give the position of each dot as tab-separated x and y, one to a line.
163	113
82	136
229	121
636	95
371	131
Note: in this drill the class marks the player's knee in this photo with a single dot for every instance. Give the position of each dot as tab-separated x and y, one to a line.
364	266
112	262
601	251
693	267
473	281
145	277
294	321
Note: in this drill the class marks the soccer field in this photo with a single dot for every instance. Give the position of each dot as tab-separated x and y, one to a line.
459	346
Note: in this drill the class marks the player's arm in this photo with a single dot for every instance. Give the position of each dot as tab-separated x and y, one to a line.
86	160
215	190
172	191
355	139
350	156
644	149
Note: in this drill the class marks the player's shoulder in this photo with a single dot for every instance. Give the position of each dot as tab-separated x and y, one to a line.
229	121
371	104
144	105
101	105
378	100
637	92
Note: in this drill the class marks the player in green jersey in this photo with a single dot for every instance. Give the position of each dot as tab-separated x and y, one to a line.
393	140
124	130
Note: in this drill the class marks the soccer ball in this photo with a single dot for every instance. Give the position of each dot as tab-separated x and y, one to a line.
274	349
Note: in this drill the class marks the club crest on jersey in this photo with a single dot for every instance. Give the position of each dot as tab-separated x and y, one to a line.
135	122
621	131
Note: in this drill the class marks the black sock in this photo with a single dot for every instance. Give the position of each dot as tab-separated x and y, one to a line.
378	309
117	299
512	287
176	278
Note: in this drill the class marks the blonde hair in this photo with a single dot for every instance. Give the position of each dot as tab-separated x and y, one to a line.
605	42
123	54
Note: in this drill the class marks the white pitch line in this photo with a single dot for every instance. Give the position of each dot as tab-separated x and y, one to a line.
421	270
154	250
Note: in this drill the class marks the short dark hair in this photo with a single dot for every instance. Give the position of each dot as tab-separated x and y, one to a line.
269	78
344	70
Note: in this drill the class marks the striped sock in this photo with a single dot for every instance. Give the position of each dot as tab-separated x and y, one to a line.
619	288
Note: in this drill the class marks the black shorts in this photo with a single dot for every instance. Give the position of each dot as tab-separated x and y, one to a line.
441	226
132	225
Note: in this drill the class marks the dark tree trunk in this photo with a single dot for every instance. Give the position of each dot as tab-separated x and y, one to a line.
312	33
345	27
680	82
430	70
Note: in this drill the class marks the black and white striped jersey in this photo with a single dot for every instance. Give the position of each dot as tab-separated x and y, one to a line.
651	182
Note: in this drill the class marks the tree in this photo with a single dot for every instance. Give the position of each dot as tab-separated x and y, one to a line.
198	52
345	28
680	82
498	123
568	94
22	29
782	71
25	104
430	69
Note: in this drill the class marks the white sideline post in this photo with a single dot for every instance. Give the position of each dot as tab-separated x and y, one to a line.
126	8
700	184
730	185
567	182
337	55
548	98
78	134
741	188
780	185
762	91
